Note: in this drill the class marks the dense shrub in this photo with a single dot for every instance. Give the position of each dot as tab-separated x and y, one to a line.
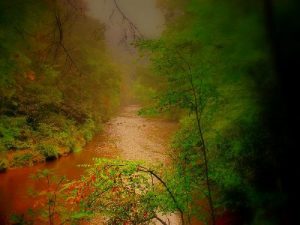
49	151
88	129
26	158
3	164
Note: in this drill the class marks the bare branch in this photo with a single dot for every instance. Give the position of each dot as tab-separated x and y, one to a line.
160	220
144	169
135	32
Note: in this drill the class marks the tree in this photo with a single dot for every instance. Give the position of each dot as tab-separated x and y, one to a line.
123	193
113	191
222	75
186	89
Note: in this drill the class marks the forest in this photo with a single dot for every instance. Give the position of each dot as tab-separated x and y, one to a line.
53	60
197	126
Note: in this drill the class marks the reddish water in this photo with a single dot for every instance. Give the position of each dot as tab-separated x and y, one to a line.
127	136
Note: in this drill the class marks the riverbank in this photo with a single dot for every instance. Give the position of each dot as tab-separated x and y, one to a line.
127	136
40	149
127	121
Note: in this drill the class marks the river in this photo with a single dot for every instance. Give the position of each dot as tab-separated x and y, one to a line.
127	136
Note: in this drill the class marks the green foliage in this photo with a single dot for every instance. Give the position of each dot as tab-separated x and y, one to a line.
121	192
144	93
50	203
150	111
26	158
12	131
16	219
3	164
52	92
116	191
48	151
21	160
208	61
75	148
88	129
